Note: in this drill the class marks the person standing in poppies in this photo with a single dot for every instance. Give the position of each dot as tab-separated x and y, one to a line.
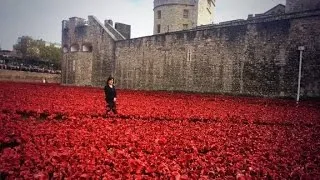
110	95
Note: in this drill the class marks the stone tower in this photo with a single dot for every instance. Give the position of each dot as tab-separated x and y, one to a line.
301	5
88	50
176	15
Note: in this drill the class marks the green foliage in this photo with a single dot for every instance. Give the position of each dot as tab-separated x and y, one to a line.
50	54
37	49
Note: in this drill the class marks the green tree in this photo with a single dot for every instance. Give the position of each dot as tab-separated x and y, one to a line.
37	50
51	54
33	52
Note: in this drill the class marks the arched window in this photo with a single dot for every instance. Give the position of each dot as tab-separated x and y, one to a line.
65	49
74	48
87	48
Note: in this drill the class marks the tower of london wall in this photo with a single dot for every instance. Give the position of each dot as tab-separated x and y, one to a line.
253	57
258	56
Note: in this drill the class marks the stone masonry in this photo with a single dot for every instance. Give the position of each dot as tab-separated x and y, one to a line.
258	56
301	5
89	50
254	57
176	15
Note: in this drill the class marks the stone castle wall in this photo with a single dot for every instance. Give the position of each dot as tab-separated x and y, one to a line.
94	59
253	57
77	68
258	56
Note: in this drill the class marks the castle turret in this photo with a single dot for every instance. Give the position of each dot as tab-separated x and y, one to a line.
124	29
88	50
175	15
301	5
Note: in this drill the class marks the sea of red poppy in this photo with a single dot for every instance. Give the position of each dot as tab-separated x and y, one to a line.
51	131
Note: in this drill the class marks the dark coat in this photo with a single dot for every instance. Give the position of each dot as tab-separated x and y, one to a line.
110	93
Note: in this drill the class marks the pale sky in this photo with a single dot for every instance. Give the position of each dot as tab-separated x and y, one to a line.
41	19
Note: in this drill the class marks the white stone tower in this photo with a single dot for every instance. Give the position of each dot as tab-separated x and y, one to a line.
176	15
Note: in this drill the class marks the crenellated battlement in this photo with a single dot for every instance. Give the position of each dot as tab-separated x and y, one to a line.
255	56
